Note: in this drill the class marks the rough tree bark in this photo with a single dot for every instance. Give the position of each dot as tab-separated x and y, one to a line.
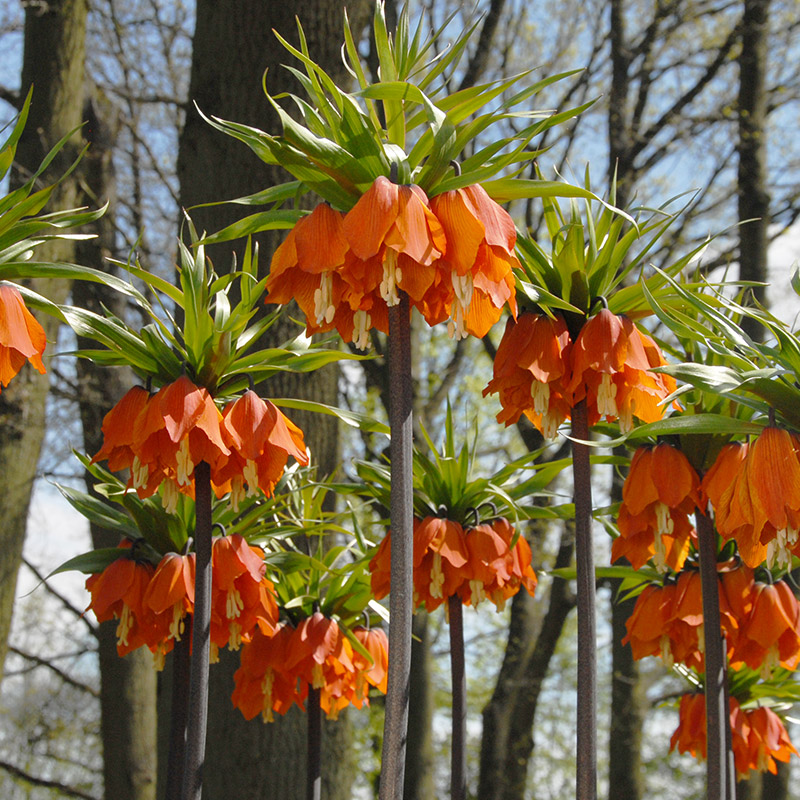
127	685
233	45
507	741
752	191
53	61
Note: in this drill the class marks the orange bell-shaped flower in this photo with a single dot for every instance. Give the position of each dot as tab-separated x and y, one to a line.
659	493
531	369
241	597
376	671
306	265
480	257
395	225
768	741
170	595
611	363
118	592
760	508
261	439
262	684
117	428
21	336
769	636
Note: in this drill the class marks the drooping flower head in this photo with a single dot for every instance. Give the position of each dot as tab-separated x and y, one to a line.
242	598
769	635
480	256
306	267
278	670
261	439
118	593
759	737
161	438
170	596
760	507
476	563
531	368
611	368
394	223
21	336
660	491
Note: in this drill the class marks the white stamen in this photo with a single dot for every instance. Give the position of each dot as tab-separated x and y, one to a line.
462	288
169	496
250	474
540	393
185	465
323	299
362	322
606	394
391	277
437	576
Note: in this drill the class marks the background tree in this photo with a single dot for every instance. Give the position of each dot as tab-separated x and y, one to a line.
667	80
53	62
233	44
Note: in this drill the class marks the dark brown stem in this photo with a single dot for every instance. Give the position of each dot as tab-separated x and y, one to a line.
458	753
201	639
402	517
178	711
720	775
314	749
586	772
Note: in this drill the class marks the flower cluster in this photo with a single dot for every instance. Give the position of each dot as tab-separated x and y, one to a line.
540	372
660	492
761	621
755	492
277	670
476	563
161	437
759	737
152	603
453	257
21	336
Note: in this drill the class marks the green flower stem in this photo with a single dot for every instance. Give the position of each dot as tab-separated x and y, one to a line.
314	746
586	771
458	753
720	770
178	710
201	639
401	511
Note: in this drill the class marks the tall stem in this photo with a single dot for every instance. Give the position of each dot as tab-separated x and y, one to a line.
586	779
201	639
314	747
402	515
458	753
178	712
720	776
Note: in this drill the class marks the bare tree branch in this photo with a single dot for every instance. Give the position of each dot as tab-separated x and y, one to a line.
81	615
61	788
41	662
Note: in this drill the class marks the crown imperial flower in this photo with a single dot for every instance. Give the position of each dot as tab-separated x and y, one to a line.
21	336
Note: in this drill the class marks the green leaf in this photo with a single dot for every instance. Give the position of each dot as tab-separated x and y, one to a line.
351	418
91	563
255	223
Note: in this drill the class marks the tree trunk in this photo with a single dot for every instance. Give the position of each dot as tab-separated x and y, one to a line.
233	45
53	60
627	713
419	776
627	707
127	685
507	740
625	779
752	177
